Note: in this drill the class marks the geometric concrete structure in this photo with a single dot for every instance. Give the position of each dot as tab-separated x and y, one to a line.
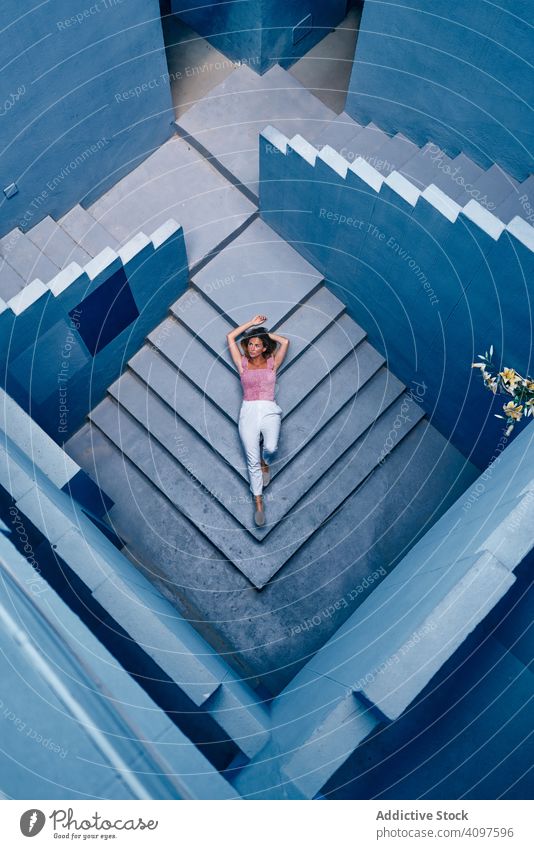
225	126
373	638
74	710
174	412
411	262
368	674
87	320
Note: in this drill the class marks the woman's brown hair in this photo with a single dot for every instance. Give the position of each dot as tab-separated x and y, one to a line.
261	334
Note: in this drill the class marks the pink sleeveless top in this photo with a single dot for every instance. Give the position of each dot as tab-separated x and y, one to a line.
258	384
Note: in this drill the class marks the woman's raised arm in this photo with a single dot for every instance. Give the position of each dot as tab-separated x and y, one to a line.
282	350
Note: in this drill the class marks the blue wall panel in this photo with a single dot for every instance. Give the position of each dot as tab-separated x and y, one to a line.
260	33
431	293
54	374
457	73
232	27
85	98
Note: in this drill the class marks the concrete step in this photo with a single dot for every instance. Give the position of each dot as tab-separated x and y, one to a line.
53	241
196	457
365	144
86	231
492	187
217	477
393	154
520	202
422	168
420	479
263	274
10	282
326	447
477	748
25	258
222	385
258	561
316	726
215	428
195	408
446	176
337	133
225	125
175	182
302	327
465	173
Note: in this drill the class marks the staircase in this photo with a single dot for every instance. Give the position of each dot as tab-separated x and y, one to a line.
174	411
357	465
460	178
360	473
165	185
225	127
218	151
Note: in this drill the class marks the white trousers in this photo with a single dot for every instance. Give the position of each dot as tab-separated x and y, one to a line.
258	418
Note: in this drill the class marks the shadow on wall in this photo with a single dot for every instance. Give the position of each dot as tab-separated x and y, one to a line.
263	34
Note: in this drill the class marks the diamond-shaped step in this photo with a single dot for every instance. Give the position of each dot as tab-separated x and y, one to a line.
25	258
221	384
227	123
195	456
259	561
56	243
257	273
187	401
321	453
204	462
221	434
302	327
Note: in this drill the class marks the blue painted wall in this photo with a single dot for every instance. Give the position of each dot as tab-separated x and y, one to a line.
60	354
457	73
84	99
260	32
279	19
232	27
431	294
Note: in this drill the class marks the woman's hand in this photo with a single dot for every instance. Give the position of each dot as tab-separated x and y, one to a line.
258	319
